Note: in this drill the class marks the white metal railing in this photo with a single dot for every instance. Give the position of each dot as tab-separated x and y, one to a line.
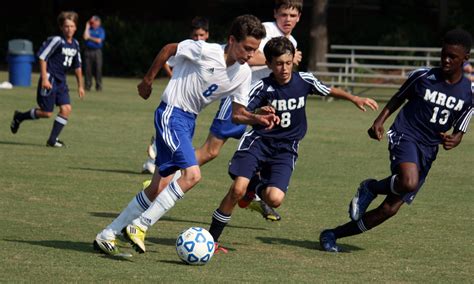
374	66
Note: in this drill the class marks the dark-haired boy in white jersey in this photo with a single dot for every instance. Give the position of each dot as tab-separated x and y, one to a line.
203	72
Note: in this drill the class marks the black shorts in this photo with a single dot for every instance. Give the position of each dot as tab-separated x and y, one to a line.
275	160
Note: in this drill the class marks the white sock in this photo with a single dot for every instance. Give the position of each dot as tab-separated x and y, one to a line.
33	113
164	202
392	185
137	205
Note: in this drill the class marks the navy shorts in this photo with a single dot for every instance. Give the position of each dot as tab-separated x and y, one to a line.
222	126
403	150
274	159
174	133
58	95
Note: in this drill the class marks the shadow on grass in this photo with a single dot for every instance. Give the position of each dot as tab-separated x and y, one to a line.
305	244
21	144
107	170
104	214
68	245
172	219
162	241
175	262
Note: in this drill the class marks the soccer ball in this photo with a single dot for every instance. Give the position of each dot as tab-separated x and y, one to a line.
195	246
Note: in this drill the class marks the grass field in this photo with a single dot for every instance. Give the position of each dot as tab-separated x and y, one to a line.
54	201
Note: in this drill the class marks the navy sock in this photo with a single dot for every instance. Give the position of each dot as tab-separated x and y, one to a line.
380	187
27	115
219	221
349	229
58	125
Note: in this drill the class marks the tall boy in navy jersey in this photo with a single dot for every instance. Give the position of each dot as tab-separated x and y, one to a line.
273	152
439	99
57	55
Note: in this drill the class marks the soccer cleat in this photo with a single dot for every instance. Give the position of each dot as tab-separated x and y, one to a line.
247	199
109	248
251	193
327	241
218	248
266	211
57	144
136	236
361	200
15	122
146	183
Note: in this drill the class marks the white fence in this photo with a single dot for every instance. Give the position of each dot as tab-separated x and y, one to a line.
350	66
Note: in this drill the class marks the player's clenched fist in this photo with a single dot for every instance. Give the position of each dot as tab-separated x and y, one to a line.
144	89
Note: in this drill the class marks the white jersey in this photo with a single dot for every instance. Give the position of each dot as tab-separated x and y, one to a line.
200	76
259	72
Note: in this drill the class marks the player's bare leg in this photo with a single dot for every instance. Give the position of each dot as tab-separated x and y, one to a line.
32	114
210	149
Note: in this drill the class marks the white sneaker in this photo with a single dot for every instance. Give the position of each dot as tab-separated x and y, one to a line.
151	150
57	144
108	247
361	200
148	167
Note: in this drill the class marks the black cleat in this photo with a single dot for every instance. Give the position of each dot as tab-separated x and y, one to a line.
15	122
266	211
57	144
327	241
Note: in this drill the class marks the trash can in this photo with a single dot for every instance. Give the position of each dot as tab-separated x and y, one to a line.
20	59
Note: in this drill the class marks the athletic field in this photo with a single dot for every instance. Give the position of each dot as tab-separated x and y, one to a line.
54	201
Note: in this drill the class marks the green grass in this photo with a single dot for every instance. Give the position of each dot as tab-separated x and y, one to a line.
54	201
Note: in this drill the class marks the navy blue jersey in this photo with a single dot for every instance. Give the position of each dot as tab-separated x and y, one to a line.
60	56
433	106
289	101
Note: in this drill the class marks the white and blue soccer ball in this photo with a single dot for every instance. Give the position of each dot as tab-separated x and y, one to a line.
195	246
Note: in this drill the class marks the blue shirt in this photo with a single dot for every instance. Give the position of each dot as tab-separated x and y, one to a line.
60	56
97	33
289	101
433	106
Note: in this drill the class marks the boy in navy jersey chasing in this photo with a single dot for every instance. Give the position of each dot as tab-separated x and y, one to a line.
57	55
439	99
273	152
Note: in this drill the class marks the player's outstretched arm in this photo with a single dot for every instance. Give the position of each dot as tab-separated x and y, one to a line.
377	130
86	35
80	82
360	102
241	115
451	141
144	88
